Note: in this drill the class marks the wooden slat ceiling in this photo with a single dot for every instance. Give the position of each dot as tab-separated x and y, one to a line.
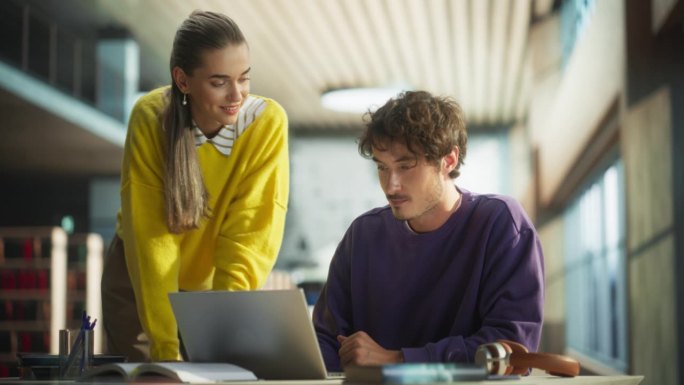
473	50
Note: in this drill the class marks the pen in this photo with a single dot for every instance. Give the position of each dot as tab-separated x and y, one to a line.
78	347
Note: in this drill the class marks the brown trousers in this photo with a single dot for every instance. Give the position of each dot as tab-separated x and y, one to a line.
122	327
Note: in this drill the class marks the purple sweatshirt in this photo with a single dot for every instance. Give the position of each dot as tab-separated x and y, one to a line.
436	296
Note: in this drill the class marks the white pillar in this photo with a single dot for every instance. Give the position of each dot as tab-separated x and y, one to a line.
118	75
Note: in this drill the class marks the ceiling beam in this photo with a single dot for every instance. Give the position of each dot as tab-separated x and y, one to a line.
518	32
328	50
351	45
422	50
462	58
497	54
525	88
480	41
404	41
444	82
382	34
272	50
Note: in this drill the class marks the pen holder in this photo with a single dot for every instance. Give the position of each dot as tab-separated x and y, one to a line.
75	352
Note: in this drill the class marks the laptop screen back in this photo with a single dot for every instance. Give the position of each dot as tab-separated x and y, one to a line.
267	332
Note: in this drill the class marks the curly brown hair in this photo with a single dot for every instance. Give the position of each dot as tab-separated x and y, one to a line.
428	125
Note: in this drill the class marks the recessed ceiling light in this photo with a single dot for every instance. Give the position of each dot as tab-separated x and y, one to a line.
359	100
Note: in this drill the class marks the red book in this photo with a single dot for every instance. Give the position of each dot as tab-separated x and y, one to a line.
42	279
9	280
28	249
23	280
7	310
25	342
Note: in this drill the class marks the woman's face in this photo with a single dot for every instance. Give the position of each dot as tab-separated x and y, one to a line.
217	89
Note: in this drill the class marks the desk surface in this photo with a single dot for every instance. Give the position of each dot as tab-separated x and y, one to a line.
580	380
529	380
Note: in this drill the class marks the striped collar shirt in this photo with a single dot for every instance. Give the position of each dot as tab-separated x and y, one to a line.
228	134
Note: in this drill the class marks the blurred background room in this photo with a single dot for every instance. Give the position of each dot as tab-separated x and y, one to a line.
574	107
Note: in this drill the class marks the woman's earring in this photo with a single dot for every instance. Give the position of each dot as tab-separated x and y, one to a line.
185	99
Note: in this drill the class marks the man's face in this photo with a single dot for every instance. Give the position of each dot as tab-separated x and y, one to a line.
414	188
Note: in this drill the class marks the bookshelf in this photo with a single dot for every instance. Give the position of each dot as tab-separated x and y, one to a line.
46	278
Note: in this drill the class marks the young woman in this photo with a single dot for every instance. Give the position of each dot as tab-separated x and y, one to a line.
204	190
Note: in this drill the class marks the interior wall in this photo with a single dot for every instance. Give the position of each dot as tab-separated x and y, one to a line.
545	50
553	333
647	131
567	109
591	80
520	161
677	95
647	78
545	47
655	128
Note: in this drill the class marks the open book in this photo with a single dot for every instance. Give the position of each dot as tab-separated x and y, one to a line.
186	372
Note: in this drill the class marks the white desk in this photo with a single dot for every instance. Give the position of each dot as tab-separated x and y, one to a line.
528	380
580	380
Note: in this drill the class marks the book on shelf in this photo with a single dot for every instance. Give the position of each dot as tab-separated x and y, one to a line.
177	372
413	373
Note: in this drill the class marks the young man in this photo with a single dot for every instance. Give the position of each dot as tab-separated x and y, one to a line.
438	271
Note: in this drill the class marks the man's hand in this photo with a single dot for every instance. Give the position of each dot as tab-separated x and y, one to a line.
360	349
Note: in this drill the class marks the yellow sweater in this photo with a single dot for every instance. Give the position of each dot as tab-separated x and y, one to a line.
234	249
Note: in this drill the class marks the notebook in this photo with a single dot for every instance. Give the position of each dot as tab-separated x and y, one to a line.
267	331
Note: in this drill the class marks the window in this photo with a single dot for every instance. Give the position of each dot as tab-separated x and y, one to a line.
575	15
486	161
596	271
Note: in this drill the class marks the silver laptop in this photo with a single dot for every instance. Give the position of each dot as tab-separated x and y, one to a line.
268	331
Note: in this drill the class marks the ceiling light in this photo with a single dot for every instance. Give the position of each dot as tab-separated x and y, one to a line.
359	100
